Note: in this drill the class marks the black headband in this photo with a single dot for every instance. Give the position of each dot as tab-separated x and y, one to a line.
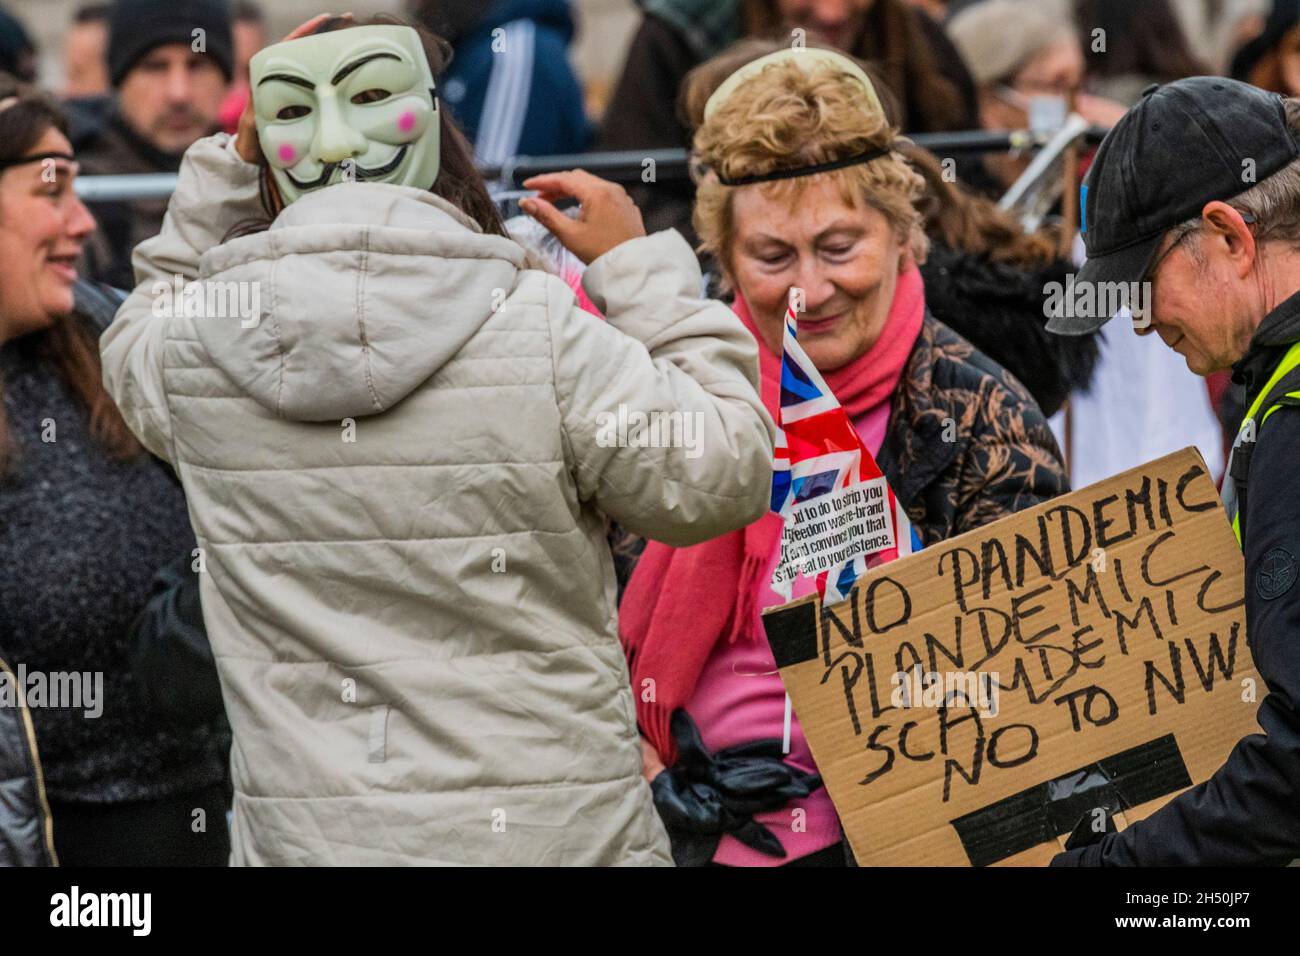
35	157
808	170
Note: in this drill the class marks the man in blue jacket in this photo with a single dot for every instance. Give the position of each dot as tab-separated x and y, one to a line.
510	85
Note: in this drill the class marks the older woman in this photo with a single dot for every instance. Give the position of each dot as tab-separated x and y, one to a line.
805	190
92	775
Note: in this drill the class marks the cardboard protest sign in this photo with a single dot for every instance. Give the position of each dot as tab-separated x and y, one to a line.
975	702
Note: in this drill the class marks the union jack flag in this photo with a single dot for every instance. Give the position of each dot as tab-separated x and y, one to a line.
821	471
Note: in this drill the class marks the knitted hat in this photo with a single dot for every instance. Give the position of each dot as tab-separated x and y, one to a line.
137	26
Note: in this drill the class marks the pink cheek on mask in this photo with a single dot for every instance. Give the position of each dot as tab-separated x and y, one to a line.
406	122
287	154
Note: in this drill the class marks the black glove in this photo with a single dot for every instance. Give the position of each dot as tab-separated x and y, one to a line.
704	795
175	674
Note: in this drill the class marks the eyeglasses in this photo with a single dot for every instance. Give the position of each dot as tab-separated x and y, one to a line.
1183	232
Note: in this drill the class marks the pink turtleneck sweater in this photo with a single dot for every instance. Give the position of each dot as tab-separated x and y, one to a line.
740	697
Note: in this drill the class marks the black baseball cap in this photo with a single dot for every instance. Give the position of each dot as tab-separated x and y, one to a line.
1182	145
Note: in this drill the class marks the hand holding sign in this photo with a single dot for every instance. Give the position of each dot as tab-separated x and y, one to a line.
1109	627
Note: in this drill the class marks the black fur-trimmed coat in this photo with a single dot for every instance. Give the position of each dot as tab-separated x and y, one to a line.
999	308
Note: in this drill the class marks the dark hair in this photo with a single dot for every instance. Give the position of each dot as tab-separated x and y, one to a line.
1266	72
91	13
1142	38
975	226
68	346
246	11
894	43
17	49
24	123
459	181
450	19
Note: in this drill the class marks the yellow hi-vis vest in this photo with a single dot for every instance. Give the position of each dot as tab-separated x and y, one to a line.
1282	388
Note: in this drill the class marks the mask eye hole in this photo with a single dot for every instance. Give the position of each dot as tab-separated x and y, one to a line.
293	112
370	96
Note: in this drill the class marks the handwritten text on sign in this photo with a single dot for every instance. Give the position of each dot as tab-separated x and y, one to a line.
1108	618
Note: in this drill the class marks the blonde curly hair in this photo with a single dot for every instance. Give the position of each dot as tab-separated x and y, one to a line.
788	116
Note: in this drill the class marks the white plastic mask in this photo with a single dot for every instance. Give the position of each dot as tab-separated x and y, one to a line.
350	105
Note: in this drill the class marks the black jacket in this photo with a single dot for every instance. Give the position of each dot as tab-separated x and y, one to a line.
170	662
1248	812
998	308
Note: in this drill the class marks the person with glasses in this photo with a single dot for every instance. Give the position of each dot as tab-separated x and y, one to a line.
1196	192
105	757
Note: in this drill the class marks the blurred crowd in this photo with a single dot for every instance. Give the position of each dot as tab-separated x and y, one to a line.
136	96
136	100
140	90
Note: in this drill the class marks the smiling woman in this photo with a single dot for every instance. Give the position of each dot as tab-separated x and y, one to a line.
805	197
43	226
86	519
39	260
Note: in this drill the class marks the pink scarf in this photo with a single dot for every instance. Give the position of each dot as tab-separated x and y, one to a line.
870	378
681	601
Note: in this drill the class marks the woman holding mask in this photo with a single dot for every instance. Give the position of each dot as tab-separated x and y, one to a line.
803	190
399	467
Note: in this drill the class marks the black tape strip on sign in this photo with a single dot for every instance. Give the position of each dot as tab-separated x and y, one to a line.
1039	813
792	633
1045	811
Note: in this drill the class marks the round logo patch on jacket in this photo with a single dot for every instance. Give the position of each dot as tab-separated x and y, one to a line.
1275	574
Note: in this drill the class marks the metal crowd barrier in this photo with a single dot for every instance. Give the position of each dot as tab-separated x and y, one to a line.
626	166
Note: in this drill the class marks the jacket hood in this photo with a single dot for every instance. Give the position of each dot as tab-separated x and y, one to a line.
554	14
354	296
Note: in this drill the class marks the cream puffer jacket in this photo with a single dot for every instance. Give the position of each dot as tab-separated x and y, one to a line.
399	470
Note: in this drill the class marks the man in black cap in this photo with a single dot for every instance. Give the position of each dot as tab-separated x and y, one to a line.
1195	194
170	63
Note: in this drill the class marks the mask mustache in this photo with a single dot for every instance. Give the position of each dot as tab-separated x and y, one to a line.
327	170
